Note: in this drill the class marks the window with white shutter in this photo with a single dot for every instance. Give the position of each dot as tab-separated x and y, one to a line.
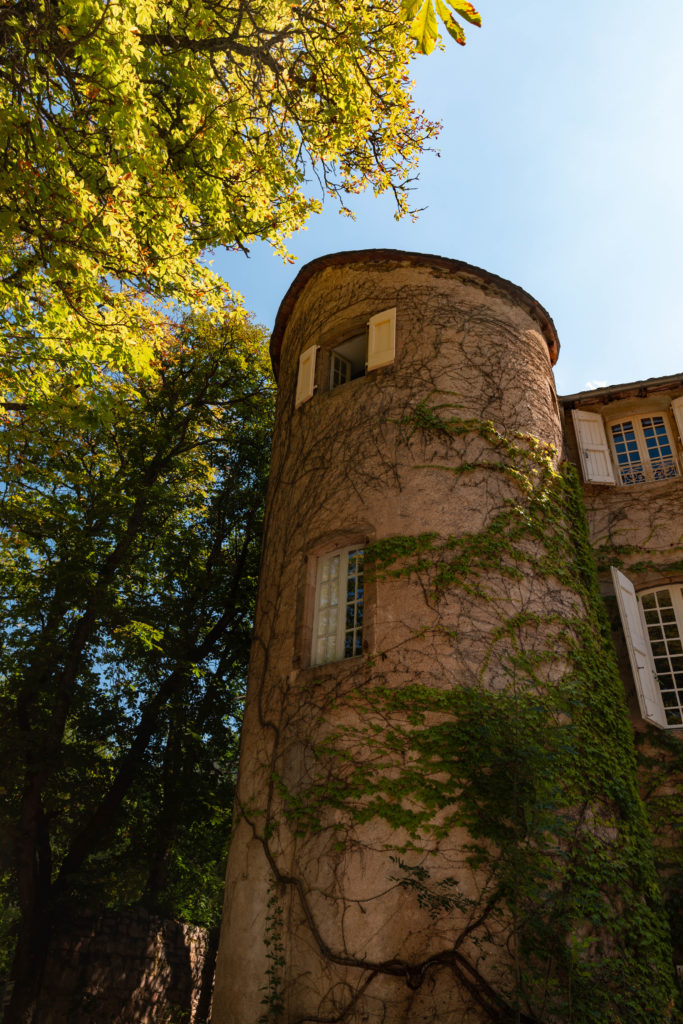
677	410
591	438
370	350
651	688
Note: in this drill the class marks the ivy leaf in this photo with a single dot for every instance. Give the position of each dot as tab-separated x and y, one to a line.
424	28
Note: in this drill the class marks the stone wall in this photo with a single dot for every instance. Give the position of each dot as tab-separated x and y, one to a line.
128	968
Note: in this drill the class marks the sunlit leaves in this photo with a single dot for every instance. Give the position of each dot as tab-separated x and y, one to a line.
423	21
139	134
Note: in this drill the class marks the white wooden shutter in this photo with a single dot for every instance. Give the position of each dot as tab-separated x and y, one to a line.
305	383
596	464
677	410
381	339
639	651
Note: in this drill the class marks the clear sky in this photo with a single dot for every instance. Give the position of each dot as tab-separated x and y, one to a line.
560	169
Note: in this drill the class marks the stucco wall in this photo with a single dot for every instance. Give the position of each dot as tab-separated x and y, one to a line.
349	467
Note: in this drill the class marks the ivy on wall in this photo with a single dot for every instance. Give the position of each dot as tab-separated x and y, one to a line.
538	769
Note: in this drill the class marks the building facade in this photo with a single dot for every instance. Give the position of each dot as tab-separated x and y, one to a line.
438	815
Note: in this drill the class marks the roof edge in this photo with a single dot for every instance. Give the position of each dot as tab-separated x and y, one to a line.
339	259
613	391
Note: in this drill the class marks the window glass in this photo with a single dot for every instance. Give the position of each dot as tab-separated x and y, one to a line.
348	360
663	614
643	449
338	619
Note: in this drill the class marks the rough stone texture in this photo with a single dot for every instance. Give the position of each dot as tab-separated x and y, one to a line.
128	968
346	469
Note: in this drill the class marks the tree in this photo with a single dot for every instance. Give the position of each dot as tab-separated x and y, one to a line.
129	535
138	133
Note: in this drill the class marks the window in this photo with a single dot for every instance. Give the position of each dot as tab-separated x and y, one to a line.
358	355
643	449
370	350
663	614
639	448
653	628
347	361
338	619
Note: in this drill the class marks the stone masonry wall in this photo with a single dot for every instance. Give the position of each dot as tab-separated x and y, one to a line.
128	968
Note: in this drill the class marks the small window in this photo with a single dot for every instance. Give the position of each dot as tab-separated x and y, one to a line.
338	619
643	449
347	361
369	350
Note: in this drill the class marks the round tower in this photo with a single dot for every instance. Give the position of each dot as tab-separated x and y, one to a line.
416	628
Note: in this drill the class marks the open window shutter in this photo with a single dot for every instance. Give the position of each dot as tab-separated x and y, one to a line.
305	384
596	464
639	651
381	339
677	410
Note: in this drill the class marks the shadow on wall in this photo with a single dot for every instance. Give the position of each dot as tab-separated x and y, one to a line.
128	968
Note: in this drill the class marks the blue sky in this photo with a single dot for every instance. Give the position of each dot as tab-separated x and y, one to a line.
560	169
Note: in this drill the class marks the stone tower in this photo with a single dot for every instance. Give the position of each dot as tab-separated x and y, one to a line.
410	803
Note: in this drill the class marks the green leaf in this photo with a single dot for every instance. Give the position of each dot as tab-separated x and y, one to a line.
466	11
454	29
409	8
424	28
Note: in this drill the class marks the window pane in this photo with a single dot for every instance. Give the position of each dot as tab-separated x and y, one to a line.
663	613
339	606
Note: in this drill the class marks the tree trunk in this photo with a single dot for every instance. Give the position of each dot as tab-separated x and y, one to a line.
28	968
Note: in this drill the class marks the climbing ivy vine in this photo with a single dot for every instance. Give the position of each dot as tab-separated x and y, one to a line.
532	762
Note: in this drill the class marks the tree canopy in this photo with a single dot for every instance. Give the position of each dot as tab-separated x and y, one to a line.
129	538
137	134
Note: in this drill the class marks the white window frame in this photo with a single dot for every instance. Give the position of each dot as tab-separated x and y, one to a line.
331	605
637	633
645	467
663	623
